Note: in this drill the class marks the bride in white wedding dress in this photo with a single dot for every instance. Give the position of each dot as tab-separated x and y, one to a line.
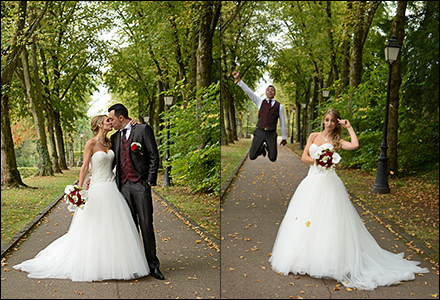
323	236
102	241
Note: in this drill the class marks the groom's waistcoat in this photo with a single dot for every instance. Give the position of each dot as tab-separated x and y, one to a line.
268	115
127	170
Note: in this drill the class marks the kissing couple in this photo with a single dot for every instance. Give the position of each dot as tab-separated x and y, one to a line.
103	241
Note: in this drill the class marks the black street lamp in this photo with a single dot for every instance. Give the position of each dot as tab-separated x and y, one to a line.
247	126
392	50
303	105
167	178
325	93
293	121
146	118
81	149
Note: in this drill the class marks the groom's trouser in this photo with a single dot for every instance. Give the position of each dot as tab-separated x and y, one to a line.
261	136
138	196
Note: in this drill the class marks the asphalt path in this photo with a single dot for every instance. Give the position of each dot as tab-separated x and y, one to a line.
190	262
252	209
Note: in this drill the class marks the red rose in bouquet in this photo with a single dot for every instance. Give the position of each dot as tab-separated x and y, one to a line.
75	196
326	159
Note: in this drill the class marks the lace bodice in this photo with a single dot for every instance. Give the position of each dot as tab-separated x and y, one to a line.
101	163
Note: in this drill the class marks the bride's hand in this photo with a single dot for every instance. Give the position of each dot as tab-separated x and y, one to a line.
344	123
133	122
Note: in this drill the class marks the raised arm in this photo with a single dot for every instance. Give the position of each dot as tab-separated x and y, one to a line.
257	101
354	144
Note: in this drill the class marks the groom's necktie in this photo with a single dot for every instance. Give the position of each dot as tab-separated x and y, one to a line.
124	138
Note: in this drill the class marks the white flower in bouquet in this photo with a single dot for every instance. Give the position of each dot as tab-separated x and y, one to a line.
75	196
326	159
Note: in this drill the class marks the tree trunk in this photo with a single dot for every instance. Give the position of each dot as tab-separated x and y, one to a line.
36	107
39	98
193	61
361	28
208	21
10	175
210	11
223	112
398	30
345	78
226	103
311	107
45	98
71	150
334	69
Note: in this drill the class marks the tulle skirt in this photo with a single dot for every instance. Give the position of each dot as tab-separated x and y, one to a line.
323	236
102	243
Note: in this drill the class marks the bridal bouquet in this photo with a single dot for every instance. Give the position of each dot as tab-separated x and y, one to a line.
326	159
75	196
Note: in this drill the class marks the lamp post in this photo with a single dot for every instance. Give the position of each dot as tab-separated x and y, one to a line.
81	148
392	50
325	93
167	178
146	118
247	126
293	122
303	105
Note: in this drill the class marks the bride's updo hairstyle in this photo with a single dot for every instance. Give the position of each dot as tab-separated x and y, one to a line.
99	120
337	132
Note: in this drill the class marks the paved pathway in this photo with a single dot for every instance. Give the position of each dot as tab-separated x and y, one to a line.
252	210
190	264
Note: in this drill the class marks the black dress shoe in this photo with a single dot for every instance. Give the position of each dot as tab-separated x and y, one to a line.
262	150
156	273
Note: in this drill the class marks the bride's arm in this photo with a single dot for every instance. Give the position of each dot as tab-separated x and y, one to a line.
87	155
354	144
306	154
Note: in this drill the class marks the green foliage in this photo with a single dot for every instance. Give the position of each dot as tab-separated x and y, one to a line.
366	117
195	141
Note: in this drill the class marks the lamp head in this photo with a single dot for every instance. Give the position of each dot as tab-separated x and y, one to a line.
392	50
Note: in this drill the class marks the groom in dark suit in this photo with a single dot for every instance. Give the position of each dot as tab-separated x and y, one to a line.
137	163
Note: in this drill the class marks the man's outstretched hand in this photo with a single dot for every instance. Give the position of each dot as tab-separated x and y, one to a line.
283	142
236	75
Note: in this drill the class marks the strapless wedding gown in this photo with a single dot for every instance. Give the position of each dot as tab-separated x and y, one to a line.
102	241
323	236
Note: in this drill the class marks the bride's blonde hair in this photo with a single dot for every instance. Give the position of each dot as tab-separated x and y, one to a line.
94	126
337	132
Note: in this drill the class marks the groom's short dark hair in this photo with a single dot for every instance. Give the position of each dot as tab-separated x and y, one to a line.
119	109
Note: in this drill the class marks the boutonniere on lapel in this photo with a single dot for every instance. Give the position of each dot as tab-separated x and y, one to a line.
136	147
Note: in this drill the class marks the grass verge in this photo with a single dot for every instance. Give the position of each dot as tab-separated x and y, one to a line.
202	208
21	205
231	156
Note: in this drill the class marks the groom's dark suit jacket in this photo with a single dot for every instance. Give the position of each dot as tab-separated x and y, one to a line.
145	165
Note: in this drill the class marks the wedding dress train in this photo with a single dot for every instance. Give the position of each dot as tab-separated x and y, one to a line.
322	235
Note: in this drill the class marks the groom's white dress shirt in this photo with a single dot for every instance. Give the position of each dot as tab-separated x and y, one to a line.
258	103
127	132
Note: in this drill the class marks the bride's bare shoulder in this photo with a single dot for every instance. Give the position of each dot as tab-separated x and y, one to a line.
313	135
